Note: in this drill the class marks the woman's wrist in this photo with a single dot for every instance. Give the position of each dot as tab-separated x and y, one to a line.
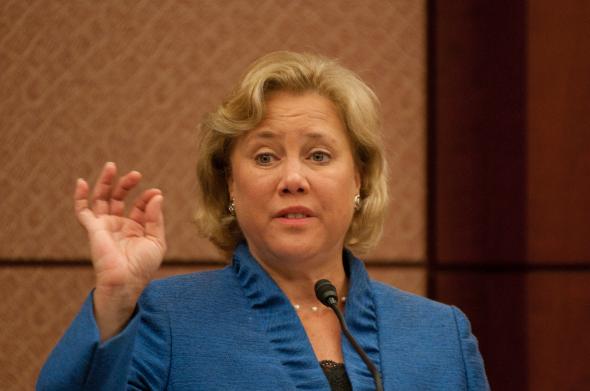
113	310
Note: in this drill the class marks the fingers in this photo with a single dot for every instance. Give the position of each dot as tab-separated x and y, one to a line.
81	202
101	193
108	198
154	220
81	195
124	185
138	212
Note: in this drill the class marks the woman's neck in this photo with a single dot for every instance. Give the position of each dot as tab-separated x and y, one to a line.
297	277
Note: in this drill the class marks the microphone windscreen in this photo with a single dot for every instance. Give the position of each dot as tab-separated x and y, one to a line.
326	292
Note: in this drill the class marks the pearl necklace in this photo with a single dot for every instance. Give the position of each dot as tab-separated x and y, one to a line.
315	308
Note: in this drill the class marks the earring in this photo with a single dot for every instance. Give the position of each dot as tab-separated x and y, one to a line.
357	202
232	207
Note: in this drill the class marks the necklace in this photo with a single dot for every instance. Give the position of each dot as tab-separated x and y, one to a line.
315	308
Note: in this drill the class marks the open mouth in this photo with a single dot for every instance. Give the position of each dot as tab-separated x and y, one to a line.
294	216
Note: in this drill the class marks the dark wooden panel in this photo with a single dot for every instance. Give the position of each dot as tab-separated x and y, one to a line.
477	131
509	183
558	315
559	131
532	327
496	306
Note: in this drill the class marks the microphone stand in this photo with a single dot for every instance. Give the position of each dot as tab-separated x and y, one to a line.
327	295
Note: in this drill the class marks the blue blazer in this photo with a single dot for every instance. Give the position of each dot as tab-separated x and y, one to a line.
234	329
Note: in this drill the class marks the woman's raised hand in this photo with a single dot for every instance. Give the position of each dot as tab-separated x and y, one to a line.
126	250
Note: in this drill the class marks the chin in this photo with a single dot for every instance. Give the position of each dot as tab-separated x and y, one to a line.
293	246
296	250
299	248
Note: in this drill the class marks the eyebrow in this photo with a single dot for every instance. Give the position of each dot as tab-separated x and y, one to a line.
269	134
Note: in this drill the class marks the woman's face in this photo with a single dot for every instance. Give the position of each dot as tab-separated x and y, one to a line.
293	179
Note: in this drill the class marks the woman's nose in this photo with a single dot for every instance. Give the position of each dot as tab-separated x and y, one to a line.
294	179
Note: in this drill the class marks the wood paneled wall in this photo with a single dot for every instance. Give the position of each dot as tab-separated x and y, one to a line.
84	82
509	183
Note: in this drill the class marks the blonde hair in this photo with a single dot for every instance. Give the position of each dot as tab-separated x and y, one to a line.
244	109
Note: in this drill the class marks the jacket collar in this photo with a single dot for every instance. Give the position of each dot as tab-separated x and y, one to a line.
279	322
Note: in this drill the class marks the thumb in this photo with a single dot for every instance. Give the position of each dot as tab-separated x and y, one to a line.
154	219
84	215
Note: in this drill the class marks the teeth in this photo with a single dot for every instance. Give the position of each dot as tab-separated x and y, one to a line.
295	215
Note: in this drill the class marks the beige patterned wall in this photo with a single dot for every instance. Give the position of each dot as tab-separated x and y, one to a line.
84	82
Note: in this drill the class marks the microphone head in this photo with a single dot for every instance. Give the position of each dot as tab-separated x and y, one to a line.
326	292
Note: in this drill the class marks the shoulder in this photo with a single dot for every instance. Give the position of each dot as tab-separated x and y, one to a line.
422	315
389	297
420	335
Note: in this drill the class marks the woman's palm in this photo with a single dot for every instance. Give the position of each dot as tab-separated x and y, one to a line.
126	250
123	253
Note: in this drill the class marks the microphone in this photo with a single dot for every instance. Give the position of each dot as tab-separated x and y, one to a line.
328	296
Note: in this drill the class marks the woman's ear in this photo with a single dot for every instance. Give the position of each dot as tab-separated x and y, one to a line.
230	186
357	181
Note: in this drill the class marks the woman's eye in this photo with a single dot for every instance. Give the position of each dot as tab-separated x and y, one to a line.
264	159
320	156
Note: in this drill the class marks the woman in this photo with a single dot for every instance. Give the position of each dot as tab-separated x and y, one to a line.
291	173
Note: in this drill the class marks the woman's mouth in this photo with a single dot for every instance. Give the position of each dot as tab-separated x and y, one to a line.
295	216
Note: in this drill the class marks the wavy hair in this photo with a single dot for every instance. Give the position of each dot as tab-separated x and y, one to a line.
244	109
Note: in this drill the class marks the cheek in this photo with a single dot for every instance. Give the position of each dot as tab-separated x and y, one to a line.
251	189
339	192
345	180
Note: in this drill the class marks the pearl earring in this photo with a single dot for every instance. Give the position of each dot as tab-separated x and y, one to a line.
357	202
232	207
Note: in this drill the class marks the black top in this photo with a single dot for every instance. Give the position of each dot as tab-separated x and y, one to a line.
336	374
